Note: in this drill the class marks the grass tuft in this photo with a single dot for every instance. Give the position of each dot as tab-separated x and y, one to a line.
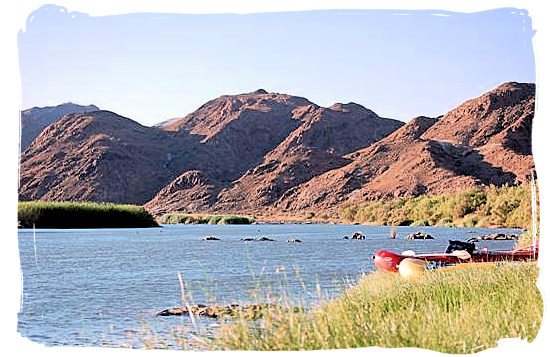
452	312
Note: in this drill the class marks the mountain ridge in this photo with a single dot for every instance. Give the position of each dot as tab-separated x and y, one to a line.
260	151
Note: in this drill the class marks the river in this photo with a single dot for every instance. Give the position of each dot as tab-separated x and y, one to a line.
97	287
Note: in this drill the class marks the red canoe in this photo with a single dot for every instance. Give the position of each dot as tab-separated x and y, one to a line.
389	261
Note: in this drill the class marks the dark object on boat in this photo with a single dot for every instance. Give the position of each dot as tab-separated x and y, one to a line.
418	235
358	236
293	240
209	238
455	245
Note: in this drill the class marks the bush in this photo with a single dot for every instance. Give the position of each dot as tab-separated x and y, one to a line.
184	218
421	222
489	206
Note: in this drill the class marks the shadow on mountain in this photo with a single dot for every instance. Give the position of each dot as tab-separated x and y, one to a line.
466	161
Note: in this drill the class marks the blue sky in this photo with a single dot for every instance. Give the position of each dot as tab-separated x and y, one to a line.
152	67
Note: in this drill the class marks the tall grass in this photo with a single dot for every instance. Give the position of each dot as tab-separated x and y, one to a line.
183	218
454	312
42	214
507	206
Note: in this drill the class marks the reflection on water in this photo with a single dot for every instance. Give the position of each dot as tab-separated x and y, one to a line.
104	286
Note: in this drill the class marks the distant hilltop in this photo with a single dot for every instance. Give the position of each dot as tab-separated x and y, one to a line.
34	120
260	151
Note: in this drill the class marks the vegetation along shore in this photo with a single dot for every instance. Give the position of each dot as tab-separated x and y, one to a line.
183	218
462	311
42	214
506	206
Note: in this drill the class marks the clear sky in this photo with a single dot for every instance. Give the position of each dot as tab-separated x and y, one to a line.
152	67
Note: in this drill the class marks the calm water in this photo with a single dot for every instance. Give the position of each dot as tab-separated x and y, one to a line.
103	286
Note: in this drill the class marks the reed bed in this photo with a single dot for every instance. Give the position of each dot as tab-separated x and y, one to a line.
42	214
461	311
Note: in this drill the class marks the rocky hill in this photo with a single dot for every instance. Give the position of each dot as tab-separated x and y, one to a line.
272	142
98	156
261	151
484	141
34	120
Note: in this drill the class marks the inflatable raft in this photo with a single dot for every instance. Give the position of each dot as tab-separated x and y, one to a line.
391	261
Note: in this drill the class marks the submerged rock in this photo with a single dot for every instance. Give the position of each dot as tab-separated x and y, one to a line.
418	235
293	240
209	238
494	236
264	239
358	236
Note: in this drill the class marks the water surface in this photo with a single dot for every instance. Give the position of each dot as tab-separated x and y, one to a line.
97	287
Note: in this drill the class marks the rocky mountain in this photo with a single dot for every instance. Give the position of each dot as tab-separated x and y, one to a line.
260	151
98	156
34	120
302	140
101	156
484	141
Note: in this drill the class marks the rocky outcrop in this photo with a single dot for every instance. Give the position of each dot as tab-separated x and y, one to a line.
250	311
210	239
494	236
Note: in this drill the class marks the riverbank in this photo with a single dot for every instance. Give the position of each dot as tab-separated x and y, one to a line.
487	207
462	311
204	218
41	214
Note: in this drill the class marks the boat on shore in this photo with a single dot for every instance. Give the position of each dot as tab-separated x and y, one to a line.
390	261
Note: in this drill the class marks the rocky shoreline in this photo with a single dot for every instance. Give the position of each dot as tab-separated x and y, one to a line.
249	311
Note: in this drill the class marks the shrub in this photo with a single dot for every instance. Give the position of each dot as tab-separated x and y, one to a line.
507	206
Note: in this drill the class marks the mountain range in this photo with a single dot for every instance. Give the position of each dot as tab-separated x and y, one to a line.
265	152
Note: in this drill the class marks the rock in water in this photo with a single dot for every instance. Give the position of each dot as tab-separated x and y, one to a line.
209	238
419	235
264	239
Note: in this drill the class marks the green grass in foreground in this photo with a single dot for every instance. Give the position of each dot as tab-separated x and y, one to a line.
82	215
507	206
454	312
183	218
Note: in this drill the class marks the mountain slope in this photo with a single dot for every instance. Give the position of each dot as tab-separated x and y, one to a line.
97	156
34	120
316	145
261	151
484	141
